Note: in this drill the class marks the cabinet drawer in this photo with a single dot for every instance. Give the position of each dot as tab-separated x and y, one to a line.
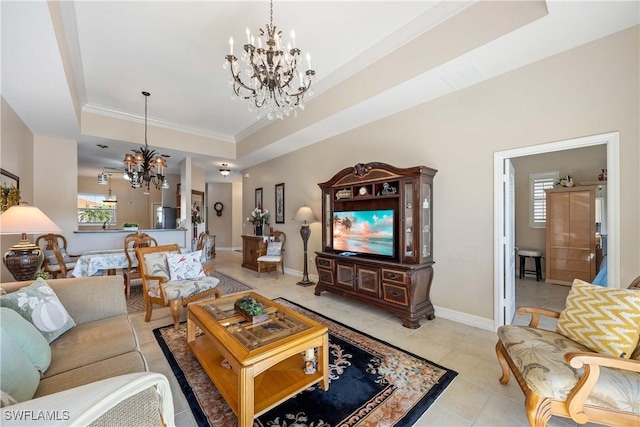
325	263
325	276
395	276
395	294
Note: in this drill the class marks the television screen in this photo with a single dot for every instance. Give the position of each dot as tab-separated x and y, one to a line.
366	231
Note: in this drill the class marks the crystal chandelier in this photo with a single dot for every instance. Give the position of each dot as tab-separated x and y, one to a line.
140	164
270	76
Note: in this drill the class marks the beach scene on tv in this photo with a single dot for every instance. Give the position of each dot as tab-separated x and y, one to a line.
369	231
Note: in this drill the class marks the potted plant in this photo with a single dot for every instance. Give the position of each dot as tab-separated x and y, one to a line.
132	226
251	309
40	273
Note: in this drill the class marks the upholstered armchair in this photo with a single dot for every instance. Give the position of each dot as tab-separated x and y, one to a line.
172	279
588	369
57	261
272	257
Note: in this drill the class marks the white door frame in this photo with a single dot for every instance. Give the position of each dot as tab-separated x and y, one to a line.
612	141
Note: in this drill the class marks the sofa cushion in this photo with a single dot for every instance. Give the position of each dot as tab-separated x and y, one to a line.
185	266
27	338
606	320
539	356
126	363
38	304
18	376
92	342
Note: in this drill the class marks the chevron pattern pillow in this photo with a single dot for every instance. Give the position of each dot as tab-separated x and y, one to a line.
606	320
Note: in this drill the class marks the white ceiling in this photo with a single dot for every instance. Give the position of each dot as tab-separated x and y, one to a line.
175	50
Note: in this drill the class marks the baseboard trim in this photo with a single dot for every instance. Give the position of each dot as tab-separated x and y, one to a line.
467	319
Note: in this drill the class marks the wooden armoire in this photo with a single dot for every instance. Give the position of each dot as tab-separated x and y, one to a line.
571	234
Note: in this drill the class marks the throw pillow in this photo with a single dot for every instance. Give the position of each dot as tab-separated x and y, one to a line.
19	378
40	305
156	263
606	320
27	338
274	248
48	253
185	266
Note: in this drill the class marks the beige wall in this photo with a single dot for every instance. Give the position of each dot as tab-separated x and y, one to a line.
16	157
589	90
583	164
220	226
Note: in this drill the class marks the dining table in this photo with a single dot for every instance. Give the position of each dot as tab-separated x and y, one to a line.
98	262
106	261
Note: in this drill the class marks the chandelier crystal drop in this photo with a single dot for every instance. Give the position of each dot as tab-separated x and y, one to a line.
140	165
271	82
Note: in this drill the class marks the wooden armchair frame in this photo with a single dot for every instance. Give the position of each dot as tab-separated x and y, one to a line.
279	236
55	243
174	305
201	244
540	409
131	242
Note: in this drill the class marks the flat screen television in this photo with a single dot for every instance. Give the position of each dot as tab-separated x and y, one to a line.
370	232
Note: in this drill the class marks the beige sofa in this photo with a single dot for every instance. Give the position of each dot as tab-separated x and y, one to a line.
97	372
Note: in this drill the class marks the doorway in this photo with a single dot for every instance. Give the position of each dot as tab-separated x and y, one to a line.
504	290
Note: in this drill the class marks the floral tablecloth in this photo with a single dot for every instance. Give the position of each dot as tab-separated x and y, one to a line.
95	263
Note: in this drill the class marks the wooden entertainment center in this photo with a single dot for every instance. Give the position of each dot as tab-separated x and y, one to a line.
395	273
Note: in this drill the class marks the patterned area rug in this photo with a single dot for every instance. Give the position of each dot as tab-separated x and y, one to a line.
228	285
372	383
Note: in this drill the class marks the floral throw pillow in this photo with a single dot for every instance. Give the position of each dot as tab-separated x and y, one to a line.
185	266
38	304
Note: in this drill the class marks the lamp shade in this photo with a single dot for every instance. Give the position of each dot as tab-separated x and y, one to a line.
23	218
305	214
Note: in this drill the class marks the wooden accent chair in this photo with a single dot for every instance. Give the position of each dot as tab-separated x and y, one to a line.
272	256
565	373
57	260
131	242
201	244
158	287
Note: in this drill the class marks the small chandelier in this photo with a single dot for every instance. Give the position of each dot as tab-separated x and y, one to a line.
112	198
271	75
140	164
224	170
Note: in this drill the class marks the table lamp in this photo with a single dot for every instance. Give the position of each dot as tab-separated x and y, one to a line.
306	216
25	258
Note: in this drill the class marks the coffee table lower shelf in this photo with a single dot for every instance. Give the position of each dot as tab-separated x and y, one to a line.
271	387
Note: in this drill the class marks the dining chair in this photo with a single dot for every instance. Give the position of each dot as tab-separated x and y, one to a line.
131	242
172	279
273	254
57	260
207	244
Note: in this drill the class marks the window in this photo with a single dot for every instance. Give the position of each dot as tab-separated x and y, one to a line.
538	182
92	210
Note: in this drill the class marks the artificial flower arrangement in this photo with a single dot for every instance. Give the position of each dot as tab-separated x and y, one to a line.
258	217
196	216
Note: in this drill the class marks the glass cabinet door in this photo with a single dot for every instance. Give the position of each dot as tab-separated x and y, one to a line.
425	221
328	227
409	249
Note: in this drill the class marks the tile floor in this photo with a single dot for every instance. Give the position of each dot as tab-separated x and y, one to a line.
475	398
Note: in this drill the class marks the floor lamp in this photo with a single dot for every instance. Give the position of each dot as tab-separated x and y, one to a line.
306	216
25	258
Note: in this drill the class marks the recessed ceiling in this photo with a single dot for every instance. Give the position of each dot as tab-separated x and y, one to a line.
113	50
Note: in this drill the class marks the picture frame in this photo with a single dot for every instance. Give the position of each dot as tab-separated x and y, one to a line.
280	203
7	179
259	198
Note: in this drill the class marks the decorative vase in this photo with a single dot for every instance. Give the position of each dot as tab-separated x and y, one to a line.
259	229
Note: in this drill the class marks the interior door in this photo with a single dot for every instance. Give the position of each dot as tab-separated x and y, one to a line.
509	242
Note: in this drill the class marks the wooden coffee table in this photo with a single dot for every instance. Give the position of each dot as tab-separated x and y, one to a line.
256	367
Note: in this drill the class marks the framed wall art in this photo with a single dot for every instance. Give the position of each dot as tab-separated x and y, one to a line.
259	198
280	203
7	179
